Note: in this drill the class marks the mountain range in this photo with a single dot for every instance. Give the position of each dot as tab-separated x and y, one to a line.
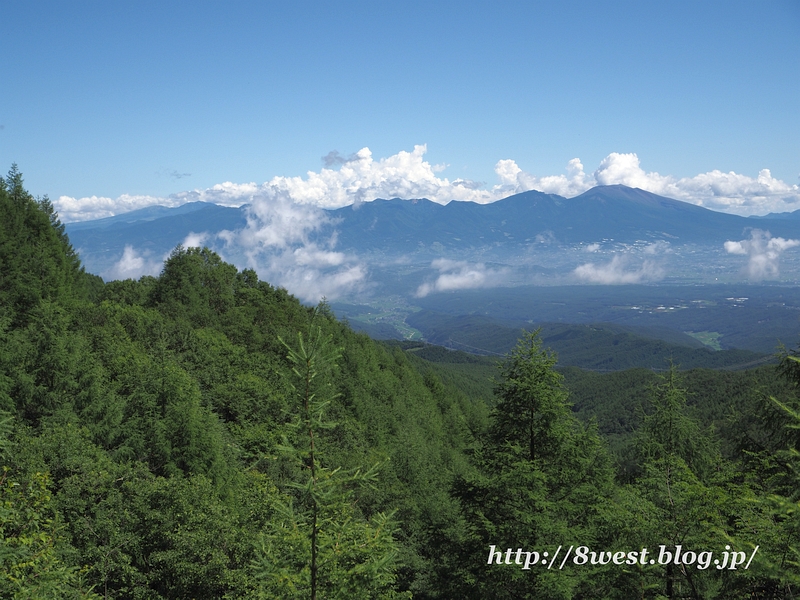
609	217
606	212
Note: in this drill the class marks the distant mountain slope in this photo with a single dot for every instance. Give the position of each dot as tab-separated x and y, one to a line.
595	346
150	213
152	231
606	212
789	216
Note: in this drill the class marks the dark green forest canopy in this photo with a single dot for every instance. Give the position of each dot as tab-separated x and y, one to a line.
159	440
38	262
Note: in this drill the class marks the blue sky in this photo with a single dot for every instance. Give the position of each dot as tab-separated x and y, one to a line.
133	103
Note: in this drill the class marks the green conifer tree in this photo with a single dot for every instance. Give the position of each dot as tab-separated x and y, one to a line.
542	477
680	493
318	545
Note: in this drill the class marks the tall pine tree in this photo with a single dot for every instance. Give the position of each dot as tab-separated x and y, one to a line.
541	477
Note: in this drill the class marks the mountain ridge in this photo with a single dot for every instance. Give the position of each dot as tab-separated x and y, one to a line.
605	212
509	229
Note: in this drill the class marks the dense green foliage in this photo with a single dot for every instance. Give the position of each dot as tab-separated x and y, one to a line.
201	434
542	475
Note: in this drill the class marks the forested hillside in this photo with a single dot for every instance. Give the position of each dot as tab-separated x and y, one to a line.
202	434
150	429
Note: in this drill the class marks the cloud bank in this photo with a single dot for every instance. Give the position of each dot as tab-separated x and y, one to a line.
133	265
619	270
293	245
726	192
764	252
460	275
346	180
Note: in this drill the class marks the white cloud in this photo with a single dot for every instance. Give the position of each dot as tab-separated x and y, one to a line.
292	245
735	247
132	265
361	178
195	240
459	275
98	207
311	284
624	169
224	194
659	247
514	180
311	255
619	270
764	252
545	237
727	192
274	221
